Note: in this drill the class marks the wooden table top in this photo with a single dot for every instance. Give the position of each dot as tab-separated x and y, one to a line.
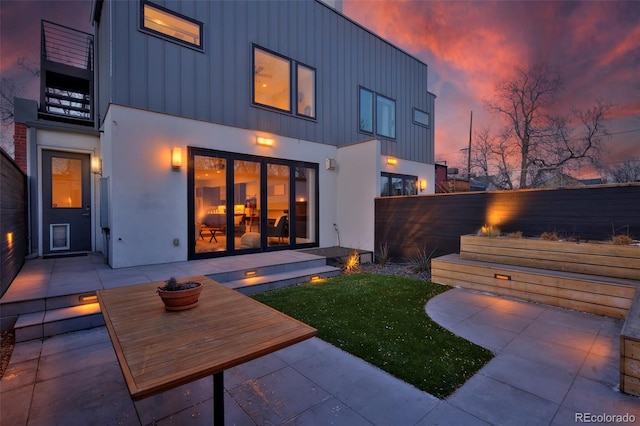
159	350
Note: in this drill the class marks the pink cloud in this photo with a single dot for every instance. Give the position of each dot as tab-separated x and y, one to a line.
470	46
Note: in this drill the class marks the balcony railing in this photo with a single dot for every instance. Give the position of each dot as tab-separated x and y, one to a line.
66	88
67	46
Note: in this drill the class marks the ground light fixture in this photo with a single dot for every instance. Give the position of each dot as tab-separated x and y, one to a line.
502	277
88	298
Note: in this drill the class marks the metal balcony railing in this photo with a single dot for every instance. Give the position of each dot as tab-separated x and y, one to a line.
66	87
67	46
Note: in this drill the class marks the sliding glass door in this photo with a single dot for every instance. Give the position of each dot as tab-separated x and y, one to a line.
241	203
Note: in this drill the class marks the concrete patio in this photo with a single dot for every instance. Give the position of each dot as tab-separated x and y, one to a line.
551	365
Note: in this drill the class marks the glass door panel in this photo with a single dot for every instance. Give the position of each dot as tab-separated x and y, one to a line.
306	208
210	201
247	204
278	208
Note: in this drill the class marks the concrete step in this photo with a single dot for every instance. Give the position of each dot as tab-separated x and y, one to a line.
261	283
50	322
266	269
38	325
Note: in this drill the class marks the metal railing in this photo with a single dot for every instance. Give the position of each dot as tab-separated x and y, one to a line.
66	45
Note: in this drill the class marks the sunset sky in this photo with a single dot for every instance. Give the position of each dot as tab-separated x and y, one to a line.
468	46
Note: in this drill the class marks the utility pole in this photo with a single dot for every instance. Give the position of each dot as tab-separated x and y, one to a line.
469	151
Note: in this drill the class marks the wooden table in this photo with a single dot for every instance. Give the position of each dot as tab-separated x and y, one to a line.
159	350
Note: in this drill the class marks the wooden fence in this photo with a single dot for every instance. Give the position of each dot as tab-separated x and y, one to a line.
13	220
436	222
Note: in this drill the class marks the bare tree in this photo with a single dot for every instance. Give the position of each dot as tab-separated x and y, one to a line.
8	91
535	139
629	171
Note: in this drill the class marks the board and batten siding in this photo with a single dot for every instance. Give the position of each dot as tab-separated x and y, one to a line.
151	73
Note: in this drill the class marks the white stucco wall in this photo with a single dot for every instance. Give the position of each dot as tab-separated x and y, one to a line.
148	200
358	177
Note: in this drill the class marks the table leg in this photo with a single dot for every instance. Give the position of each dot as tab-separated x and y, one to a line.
218	399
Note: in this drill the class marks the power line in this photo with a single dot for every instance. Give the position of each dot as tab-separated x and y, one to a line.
622	133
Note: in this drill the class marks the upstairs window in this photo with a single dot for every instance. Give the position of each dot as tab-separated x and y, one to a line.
420	117
306	91
274	87
372	105
366	110
171	25
272	80
385	117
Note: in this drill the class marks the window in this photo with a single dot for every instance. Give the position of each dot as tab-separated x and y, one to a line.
272	81
366	110
273	86
386	117
171	25
306	91
396	184
66	183
238	203
384	113
420	117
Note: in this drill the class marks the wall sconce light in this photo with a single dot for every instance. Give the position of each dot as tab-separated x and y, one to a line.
176	158
264	141
392	161
96	165
502	277
423	185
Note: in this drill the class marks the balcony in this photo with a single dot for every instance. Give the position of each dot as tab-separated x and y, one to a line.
66	75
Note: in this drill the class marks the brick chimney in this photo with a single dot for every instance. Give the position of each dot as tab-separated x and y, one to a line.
20	145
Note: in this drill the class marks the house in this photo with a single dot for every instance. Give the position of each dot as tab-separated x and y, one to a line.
185	130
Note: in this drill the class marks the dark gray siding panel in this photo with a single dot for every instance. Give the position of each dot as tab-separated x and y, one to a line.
216	85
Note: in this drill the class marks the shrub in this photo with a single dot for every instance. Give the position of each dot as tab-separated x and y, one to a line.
421	261
622	239
517	234
549	236
489	231
352	263
383	254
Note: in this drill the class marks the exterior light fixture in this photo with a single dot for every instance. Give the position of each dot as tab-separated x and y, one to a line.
502	277
96	165
176	158
423	185
250	273
88	298
264	141
315	278
392	161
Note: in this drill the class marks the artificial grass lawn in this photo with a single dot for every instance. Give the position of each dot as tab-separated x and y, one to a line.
381	319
